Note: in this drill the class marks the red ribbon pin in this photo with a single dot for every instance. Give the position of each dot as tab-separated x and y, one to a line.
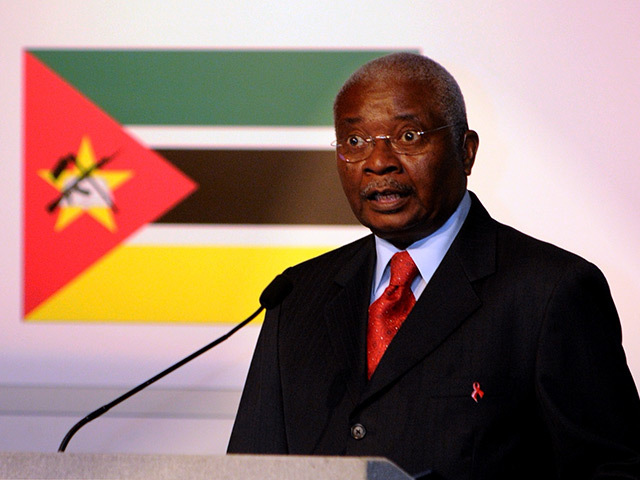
477	392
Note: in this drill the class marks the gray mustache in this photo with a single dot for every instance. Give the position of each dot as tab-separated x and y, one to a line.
386	184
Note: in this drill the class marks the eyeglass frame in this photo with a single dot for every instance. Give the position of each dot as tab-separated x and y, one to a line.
371	140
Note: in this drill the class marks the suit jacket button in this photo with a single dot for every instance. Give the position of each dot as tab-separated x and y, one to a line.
358	431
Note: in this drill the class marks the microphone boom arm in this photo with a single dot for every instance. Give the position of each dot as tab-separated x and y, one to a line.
105	408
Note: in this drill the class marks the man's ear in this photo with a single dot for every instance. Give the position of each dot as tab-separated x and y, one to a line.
470	143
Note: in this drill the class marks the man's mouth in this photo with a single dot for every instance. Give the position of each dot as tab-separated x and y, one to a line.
386	193
385	197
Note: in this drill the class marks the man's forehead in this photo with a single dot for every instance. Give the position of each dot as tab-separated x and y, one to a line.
393	100
402	117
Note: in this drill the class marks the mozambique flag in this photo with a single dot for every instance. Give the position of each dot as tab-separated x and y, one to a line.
172	185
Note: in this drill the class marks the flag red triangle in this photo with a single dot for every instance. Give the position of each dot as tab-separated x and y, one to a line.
57	119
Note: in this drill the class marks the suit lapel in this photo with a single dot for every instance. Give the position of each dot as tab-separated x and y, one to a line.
346	314
448	300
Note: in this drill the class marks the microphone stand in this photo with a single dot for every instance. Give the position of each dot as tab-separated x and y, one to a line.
105	408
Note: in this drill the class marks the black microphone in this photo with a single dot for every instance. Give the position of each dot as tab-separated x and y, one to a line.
270	298
276	292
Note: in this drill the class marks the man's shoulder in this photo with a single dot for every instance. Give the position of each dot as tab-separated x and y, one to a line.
487	245
516	244
331	262
318	279
528	261
513	243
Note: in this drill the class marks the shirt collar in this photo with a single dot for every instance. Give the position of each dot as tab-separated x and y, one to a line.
427	253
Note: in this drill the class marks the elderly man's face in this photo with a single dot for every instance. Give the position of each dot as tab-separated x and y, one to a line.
401	198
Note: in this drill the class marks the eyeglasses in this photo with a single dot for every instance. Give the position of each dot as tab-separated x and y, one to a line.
357	148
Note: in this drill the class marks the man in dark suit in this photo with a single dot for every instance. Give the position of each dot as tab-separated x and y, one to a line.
509	364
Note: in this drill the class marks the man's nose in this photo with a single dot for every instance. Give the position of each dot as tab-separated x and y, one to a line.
382	159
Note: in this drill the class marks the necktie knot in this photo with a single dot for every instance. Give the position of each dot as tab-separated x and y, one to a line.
403	269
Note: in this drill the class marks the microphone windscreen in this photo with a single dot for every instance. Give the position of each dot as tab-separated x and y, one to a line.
276	292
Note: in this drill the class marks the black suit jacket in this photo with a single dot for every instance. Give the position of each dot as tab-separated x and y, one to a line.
533	325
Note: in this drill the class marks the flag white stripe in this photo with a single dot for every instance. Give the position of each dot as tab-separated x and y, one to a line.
247	235
243	138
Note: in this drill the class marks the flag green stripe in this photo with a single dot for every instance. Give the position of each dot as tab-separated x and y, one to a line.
260	187
209	87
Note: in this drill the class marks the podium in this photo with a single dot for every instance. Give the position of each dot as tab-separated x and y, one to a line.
91	466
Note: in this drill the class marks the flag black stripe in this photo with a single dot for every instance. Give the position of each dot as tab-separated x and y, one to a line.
260	187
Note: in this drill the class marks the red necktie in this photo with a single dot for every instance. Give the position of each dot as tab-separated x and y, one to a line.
389	310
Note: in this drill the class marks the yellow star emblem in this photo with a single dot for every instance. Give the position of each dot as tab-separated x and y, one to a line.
85	187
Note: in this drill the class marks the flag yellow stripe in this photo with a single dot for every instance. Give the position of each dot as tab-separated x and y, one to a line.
181	284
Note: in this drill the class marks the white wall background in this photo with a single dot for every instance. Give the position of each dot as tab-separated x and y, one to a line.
551	87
